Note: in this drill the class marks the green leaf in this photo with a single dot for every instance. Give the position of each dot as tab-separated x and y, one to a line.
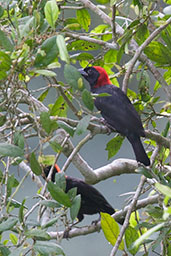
8	224
165	190
5	61
16	252
146	172
34	165
19	139
55	146
114	145
159	53
82	125
10	150
83	18
13	238
51	12
75	207
45	72
142	238
43	95
4	251
72	193
45	121
88	99
111	56
59	108
60	180
2	120
131	235
46	160
37	234
69	129
50	223
47	53
5	42
73	76
50	203
142	34
110	229
62	48
81	45
48	248
58	194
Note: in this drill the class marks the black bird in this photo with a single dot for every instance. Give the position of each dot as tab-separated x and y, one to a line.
92	201
117	109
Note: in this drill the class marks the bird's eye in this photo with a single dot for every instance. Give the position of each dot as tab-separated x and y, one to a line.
89	71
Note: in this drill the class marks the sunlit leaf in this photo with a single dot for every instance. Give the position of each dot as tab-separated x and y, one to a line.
62	48
131	235
83	18
51	12
110	229
114	145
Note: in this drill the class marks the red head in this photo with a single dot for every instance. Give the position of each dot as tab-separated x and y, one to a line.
96	76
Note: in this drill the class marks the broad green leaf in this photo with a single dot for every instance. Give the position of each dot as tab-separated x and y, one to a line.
5	42
59	108
83	18
84	56
13	238
8	224
146	235
166	36
43	95
4	251
81	45
50	203
165	190
2	120
154	211
46	160
12	183
72	23
166	129
72	193
114	145
74	209
55	146
88	99
21	211
103	1
10	150
17	252
63	53
19	139
45	121
111	56
37	234
131	235
159	53
72	76
45	72
82	125
60	180
51	12
34	164
48	248
69	129
50	222
47	53
110	229
142	34
28	22
5	61
58	194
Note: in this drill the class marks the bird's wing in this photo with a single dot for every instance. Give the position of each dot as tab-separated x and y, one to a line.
118	111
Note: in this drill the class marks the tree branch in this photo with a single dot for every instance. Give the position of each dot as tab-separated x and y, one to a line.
82	231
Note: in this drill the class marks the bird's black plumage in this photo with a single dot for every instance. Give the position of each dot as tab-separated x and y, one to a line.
92	201
117	110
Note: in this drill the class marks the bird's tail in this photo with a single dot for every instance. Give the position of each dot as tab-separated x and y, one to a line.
139	150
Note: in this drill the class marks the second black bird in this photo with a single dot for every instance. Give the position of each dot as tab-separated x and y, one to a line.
92	201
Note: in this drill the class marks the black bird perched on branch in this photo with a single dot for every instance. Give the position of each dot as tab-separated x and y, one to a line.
117	109
92	201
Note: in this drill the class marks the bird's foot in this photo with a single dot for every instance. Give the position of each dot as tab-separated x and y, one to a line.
104	122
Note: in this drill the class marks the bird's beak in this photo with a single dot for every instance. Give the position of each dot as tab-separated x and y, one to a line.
82	72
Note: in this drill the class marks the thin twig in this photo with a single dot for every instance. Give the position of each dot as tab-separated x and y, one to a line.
127	217
138	53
